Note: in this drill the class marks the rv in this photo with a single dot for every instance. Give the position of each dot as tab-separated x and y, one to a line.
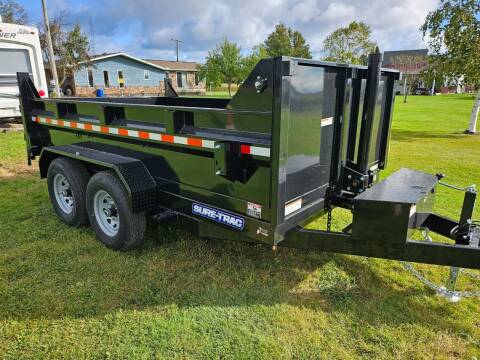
20	51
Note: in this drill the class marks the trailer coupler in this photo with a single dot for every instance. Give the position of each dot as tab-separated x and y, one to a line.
385	218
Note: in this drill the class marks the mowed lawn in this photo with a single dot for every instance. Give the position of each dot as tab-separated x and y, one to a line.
64	295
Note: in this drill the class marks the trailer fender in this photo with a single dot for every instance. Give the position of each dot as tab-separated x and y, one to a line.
132	172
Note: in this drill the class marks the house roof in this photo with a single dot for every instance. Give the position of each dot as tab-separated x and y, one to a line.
174	65
107	56
165	65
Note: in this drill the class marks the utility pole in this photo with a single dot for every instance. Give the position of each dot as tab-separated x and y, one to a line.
92	35
51	54
177	41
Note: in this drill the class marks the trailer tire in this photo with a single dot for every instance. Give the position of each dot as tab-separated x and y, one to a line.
67	181
111	215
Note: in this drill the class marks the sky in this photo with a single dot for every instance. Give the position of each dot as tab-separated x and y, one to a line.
144	28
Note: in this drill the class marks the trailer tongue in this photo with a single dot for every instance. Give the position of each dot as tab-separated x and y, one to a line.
386	215
299	138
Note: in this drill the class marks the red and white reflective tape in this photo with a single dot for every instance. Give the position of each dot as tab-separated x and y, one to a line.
255	150
172	139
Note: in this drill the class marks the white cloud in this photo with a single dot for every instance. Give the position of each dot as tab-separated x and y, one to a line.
144	28
339	12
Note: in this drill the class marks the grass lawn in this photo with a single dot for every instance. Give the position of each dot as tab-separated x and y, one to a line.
64	295
213	94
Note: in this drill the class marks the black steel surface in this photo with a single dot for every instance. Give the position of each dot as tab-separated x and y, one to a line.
228	135
406	186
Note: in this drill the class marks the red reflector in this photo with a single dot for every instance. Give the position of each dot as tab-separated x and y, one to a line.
60	122
88	127
245	149
41	93
73	124
104	129
194	142
123	132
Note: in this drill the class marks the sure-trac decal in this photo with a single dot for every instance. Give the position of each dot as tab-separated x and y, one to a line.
219	216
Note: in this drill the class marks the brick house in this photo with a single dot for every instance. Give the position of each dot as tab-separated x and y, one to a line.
184	75
121	74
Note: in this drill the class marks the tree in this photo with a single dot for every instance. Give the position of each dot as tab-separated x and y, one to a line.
350	44
433	74
286	42
71	47
411	67
223	65
210	73
249	62
453	32
13	12
75	50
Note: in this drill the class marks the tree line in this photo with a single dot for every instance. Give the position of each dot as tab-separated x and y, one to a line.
226	64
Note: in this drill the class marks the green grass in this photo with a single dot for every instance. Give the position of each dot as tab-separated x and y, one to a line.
64	295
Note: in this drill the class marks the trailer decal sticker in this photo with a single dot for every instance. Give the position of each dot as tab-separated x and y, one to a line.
254	210
188	141
219	216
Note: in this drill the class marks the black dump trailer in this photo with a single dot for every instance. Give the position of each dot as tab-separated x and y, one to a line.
298	138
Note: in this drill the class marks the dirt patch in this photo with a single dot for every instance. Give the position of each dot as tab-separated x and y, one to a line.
7	127
14	169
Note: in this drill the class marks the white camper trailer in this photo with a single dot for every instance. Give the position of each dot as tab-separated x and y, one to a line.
20	51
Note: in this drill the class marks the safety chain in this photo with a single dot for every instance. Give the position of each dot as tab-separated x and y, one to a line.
452	295
329	218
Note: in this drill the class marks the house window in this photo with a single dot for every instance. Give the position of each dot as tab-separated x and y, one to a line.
121	79
106	80
197	79
90	77
146	74
184	80
179	80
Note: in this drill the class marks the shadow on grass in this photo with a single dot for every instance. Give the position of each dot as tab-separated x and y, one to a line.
51	271
408	135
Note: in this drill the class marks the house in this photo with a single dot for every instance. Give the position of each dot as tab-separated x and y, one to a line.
184	75
121	74
410	62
